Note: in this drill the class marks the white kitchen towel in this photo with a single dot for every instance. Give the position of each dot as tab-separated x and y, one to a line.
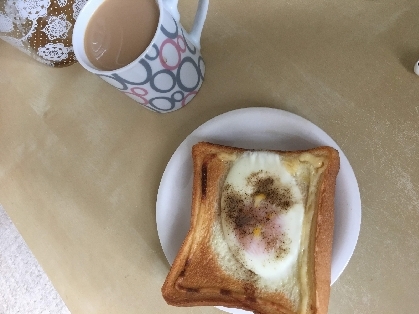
24	286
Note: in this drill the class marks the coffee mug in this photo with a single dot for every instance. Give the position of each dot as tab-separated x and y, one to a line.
168	73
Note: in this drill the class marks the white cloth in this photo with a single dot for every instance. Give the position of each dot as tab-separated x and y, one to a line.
24	286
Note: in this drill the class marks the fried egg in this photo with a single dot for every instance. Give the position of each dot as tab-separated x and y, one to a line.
262	215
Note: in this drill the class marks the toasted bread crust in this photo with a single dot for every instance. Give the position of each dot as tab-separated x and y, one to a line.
324	233
196	277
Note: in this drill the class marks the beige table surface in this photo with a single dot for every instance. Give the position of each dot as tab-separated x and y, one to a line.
80	163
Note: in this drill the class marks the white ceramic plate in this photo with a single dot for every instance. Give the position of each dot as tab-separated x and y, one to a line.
255	128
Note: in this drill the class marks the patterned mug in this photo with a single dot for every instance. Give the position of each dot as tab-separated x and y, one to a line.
169	73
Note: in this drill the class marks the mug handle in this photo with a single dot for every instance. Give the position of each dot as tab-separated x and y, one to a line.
194	35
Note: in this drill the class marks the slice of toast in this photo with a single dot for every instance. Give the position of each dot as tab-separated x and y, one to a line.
261	231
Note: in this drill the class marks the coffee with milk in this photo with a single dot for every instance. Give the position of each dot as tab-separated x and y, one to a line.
119	32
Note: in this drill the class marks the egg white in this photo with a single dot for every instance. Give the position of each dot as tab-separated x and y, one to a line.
265	263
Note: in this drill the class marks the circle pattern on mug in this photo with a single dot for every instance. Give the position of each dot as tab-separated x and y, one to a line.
169	75
163	81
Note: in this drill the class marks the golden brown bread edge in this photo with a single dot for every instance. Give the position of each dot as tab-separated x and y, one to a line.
196	279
